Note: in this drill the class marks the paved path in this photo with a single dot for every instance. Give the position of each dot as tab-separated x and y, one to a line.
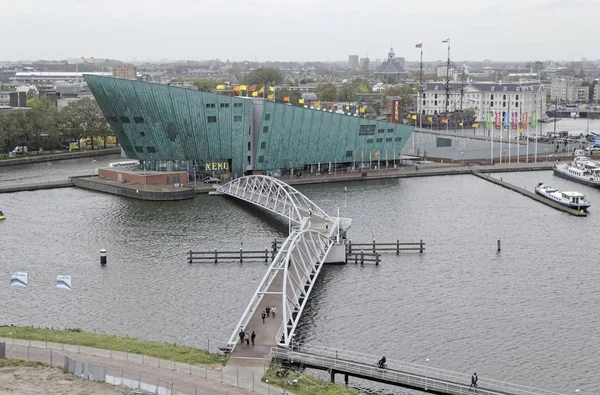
180	378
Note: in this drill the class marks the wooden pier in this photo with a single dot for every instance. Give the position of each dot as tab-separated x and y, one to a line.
530	194
375	247
362	257
240	255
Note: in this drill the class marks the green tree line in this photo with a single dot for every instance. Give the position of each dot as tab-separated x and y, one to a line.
43	126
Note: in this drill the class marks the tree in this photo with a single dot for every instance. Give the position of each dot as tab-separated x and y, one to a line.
11	130
40	127
403	91
83	118
326	92
205	84
263	76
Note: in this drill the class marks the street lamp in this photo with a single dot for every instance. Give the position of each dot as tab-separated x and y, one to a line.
426	360
93	160
461	158
546	150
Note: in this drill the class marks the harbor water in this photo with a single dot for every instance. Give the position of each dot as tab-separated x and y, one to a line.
528	314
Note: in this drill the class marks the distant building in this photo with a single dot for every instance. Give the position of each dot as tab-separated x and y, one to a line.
392	70
569	90
125	72
364	64
597	93
483	97
91	60
36	77
13	99
353	62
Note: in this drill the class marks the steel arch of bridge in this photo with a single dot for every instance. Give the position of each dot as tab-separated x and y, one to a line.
274	195
299	261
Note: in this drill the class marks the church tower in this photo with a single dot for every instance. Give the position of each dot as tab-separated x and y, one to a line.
391	55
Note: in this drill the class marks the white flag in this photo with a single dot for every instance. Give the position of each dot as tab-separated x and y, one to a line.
19	279
63	282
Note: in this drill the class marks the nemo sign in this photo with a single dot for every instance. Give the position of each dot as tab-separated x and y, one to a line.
216	166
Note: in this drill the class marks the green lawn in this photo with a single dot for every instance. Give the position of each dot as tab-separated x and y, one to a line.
116	343
306	384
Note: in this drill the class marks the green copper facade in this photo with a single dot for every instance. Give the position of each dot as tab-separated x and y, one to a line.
160	123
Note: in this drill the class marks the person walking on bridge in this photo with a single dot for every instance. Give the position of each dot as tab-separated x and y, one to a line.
252	337
242	334
263	315
273	311
268	310
474	379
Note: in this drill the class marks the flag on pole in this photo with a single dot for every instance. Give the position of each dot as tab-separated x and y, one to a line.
270	97
347	108
251	89
488	119
220	86
461	124
445	121
419	45
446	41
376	154
362	155
362	109
317	104
243	87
525	120
534	119
498	122
475	125
413	117
430	119
301	101
63	282
19	279
261	90
272	88
255	94
286	98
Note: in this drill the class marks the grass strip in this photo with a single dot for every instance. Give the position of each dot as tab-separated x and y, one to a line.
306	385
133	345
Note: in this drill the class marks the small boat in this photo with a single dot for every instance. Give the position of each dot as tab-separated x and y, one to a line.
582	170
2	217
574	200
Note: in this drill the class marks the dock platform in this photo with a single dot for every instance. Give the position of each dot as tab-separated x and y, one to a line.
529	194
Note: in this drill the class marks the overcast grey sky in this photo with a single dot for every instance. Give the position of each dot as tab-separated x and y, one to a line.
316	30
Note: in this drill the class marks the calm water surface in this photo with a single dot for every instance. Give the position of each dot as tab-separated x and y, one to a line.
528	314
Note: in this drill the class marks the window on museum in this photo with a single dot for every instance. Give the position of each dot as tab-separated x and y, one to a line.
503	104
261	159
211	119
516	104
390	130
492	97
112	118
491	104
139	149
142	134
398	139
263	145
267	117
493	88
369	140
389	139
138	119
125	120
349	154
380	130
380	140
503	97
435	96
517	97
435	102
265	129
237	118
210	105
237	104
249	160
249	146
150	149
224	105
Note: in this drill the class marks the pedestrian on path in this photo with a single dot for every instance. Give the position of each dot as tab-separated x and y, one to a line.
247	338
268	310
273	311
242	334
263	315
474	379
253	336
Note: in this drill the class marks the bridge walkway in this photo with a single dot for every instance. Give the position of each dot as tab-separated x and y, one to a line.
403	374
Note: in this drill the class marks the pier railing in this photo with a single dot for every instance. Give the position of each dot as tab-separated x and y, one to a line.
375	247
397	372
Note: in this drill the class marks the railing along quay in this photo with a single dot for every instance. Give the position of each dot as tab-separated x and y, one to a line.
403	374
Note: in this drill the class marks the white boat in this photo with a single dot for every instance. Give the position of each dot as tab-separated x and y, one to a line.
125	163
582	170
574	200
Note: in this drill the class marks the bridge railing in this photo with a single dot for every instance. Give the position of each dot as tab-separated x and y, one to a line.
405	371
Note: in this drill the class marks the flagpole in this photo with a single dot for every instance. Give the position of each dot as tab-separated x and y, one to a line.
501	135
527	124
509	128
519	133
491	137
421	99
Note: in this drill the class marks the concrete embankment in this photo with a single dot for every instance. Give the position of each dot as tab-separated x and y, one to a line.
35	187
529	194
142	192
55	157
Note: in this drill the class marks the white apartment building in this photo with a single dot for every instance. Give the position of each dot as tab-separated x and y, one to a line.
483	97
568	90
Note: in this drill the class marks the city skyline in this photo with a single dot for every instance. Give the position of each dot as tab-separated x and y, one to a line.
312	30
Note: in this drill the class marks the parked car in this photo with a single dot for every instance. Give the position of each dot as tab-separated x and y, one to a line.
211	180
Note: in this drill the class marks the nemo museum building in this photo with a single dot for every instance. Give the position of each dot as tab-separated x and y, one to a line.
175	129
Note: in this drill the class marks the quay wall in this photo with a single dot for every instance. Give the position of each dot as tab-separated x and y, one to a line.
55	157
133	191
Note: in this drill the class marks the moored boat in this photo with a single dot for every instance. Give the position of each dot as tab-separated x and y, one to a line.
582	170
574	200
